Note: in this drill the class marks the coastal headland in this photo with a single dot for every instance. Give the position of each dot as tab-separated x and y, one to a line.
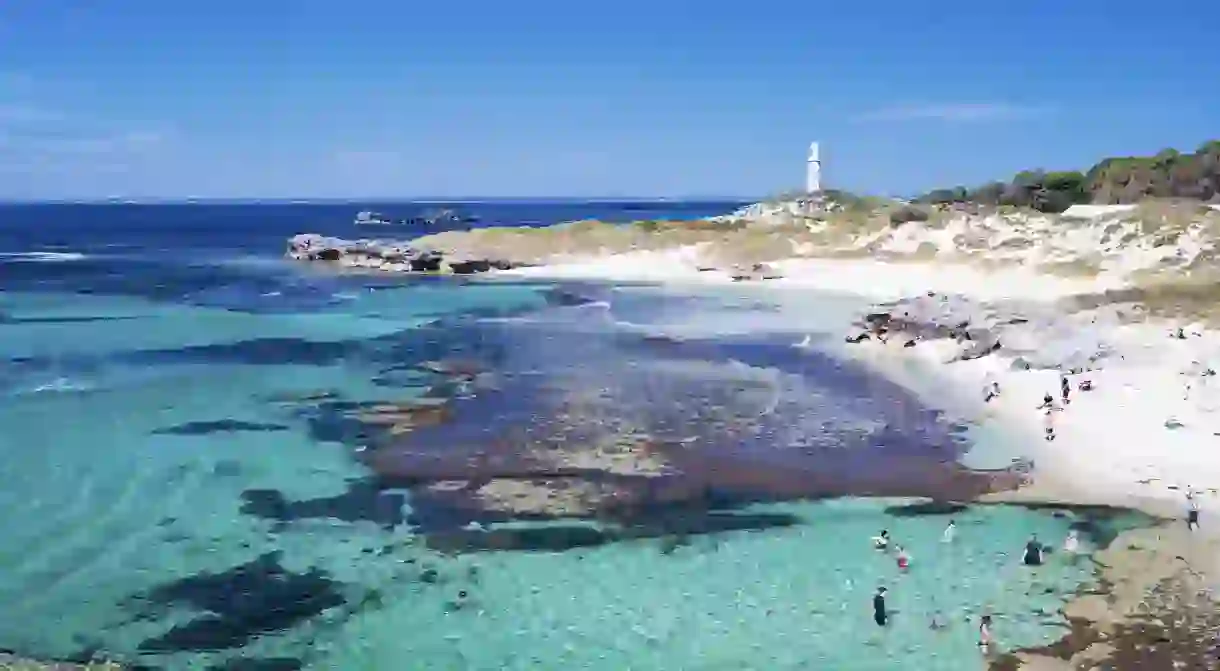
1076	287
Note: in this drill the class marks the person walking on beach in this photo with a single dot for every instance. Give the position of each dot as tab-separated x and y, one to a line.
991	388
880	616
1033	552
1192	511
949	533
1065	389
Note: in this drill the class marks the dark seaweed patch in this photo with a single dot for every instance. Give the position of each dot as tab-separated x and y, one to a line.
364	501
926	508
247	601
257	352
264	664
561	537
204	428
6	319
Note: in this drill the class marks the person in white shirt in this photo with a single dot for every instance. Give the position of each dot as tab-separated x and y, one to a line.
1071	544
949	533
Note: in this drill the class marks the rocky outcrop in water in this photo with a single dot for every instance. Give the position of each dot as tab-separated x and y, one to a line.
389	255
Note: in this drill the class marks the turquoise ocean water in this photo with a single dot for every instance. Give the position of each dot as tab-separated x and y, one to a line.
159	365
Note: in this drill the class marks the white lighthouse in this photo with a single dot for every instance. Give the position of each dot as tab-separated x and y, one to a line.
813	171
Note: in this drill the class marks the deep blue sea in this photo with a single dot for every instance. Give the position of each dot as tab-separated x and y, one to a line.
580	475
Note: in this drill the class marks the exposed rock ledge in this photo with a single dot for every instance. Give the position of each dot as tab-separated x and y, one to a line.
389	255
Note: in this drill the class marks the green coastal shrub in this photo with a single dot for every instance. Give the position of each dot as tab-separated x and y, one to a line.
1117	180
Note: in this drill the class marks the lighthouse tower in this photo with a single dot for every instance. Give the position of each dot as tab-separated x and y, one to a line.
813	171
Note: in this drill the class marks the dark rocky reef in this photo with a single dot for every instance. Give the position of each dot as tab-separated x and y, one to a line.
236	606
519	453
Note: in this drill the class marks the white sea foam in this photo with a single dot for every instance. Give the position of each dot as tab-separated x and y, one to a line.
39	257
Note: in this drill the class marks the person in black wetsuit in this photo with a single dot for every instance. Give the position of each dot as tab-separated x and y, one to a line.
1065	389
1033	552
880	616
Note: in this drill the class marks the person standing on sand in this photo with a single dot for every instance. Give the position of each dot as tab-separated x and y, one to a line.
1192	512
1065	389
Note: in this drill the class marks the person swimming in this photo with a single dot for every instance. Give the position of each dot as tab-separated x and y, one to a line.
903	558
1071	544
949	533
1033	552
880	616
882	541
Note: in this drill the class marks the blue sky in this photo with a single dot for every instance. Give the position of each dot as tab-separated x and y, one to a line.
273	98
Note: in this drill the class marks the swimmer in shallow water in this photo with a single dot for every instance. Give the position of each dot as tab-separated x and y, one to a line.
1033	552
949	533
903	558
985	639
880	615
1071	544
882	541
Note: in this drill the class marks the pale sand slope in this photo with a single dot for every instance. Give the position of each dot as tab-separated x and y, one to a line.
1112	444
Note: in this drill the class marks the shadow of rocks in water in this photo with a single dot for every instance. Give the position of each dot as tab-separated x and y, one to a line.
203	428
247	601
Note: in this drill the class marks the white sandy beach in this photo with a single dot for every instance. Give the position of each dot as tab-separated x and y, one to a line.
1112	444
